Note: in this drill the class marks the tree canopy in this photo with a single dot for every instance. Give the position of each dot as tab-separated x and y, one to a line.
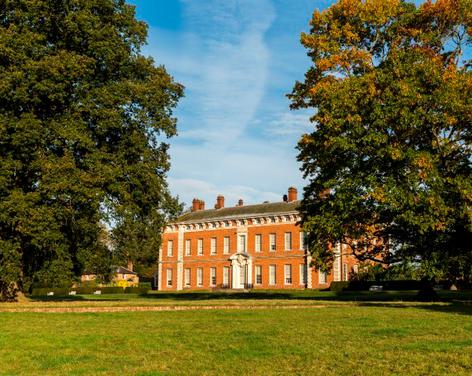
388	162
84	119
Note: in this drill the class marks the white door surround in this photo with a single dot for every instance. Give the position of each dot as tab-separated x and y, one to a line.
241	265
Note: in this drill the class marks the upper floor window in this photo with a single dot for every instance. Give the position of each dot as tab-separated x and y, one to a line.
288	241
226	245
213	246
272	244
188	249
242	243
200	247
303	241
258	241
170	248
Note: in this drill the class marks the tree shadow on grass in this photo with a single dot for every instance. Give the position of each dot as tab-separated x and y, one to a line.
459	301
458	307
283	295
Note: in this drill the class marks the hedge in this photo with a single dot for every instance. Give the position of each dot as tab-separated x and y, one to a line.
44	291
396	285
136	290
88	290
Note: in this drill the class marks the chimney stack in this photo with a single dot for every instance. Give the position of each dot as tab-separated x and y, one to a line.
130	265
198	205
240	202
292	194
220	202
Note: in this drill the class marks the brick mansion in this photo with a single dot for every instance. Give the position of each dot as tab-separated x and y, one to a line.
242	247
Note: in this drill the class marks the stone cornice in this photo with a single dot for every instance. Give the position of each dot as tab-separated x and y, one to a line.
235	221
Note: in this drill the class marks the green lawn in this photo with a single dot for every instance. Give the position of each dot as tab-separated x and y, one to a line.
337	338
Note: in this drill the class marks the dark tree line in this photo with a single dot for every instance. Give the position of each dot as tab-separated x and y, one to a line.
84	119
389	159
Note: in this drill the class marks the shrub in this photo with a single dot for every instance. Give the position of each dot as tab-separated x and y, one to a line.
42	291
111	290
338	285
136	290
365	285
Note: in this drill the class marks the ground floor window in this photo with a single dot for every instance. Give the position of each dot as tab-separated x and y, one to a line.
288	274
199	277
345	272
303	272
212	276
258	274
272	276
225	276
187	277
322	277
169	277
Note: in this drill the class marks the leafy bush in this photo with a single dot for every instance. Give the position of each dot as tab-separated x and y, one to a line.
396	285
111	290
338	285
44	291
136	290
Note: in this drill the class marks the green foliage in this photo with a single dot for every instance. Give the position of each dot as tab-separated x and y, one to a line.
83	122
387	285
388	162
137	290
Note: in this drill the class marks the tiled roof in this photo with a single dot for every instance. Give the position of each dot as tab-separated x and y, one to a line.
121	270
239	211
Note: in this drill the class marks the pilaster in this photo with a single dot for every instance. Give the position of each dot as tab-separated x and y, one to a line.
180	258
159	270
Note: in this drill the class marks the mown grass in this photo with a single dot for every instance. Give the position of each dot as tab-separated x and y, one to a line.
255	297
342	338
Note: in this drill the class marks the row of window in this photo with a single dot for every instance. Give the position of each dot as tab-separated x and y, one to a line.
241	245
272	273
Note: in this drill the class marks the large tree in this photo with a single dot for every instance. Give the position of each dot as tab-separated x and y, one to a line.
84	117
388	162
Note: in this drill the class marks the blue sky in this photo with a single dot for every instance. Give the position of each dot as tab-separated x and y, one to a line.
237	60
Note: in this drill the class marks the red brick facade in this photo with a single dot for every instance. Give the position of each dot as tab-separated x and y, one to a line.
255	246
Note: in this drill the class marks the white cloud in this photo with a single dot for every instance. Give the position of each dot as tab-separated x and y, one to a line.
234	139
289	123
222	60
